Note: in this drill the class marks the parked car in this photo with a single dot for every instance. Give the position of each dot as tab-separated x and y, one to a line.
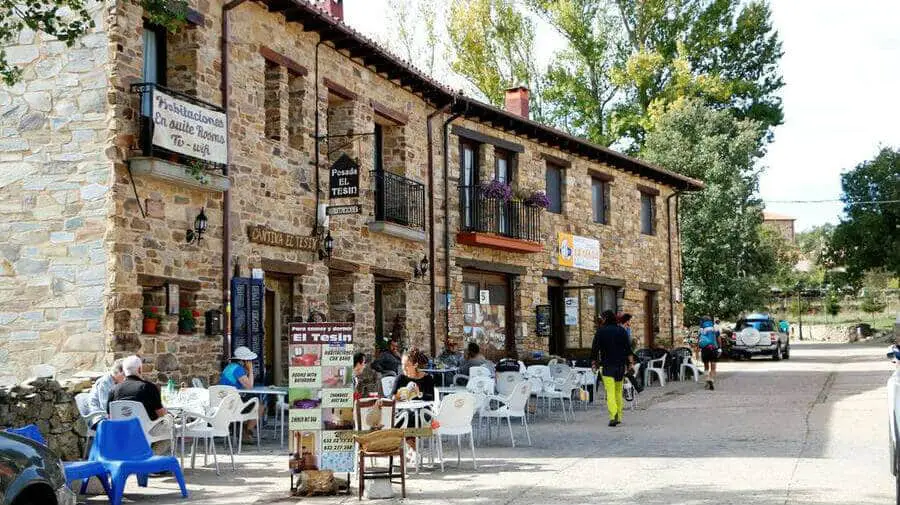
31	474
758	334
893	388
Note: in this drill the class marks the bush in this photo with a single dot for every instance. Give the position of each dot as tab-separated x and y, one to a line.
871	304
832	306
794	307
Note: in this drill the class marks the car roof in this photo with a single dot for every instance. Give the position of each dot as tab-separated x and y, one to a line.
758	315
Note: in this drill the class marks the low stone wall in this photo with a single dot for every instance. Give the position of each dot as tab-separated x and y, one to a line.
51	407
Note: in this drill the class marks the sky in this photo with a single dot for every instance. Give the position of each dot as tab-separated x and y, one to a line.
841	68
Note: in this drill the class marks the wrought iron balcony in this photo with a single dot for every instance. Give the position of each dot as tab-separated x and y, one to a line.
510	219
200	135
399	200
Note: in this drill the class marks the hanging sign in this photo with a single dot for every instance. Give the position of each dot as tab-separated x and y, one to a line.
189	129
578	252
484	297
344	178
321	391
343	210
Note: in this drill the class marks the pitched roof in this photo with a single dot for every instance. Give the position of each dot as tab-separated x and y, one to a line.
371	55
772	216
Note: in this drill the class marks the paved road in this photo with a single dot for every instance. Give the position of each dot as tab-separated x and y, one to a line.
809	431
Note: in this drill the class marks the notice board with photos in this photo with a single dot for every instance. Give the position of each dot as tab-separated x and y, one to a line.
321	392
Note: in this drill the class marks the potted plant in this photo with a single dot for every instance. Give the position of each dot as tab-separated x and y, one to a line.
498	190
187	321
151	320
537	199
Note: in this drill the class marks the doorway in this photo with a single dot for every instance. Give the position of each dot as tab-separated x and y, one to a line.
488	313
557	307
269	362
651	318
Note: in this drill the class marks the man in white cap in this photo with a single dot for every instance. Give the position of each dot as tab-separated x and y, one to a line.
239	374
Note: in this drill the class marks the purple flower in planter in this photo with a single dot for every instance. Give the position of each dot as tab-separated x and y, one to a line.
538	199
497	189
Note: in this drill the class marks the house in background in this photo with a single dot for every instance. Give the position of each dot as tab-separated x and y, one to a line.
780	223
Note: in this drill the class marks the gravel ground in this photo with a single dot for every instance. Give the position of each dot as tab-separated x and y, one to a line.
810	430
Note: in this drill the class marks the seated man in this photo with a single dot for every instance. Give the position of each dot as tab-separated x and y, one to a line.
365	380
136	389
388	362
98	398
239	374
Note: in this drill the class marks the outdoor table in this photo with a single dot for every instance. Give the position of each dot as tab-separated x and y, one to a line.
182	412
270	390
416	409
442	372
448	390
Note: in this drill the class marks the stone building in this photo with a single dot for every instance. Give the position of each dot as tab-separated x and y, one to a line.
118	153
781	224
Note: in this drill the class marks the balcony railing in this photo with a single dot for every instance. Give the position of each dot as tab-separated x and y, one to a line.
512	219
146	125
399	200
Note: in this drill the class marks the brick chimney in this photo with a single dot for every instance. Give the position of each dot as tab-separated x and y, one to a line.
335	8
517	101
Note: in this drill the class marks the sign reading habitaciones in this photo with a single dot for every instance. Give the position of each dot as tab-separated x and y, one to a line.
268	236
189	129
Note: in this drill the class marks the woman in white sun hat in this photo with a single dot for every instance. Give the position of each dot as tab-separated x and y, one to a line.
239	374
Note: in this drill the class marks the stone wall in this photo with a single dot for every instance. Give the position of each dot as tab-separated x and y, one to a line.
52	408
54	189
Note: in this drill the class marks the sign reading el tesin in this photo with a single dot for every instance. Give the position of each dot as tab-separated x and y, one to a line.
268	236
344	178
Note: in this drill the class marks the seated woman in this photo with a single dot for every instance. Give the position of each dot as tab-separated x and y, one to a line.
239	374
411	372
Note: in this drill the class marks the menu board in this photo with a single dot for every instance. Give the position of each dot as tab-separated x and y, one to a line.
321	391
247	296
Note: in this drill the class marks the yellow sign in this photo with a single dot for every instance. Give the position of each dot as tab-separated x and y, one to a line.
565	249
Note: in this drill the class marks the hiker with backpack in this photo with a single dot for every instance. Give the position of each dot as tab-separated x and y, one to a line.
710	344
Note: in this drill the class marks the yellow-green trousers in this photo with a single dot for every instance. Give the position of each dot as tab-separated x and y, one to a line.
615	403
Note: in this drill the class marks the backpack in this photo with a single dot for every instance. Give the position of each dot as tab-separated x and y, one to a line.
707	337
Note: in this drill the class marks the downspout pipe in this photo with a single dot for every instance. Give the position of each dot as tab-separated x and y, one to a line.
431	243
446	161
671	272
318	134
226	196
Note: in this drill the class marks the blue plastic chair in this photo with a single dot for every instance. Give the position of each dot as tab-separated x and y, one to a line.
75	470
122	448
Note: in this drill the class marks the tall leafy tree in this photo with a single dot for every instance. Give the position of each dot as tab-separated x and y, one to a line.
415	32
727	259
868	236
492	43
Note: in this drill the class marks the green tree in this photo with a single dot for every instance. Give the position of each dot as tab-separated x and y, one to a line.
727	260
868	236
579	93
871	303
66	20
832	303
492	44
415	32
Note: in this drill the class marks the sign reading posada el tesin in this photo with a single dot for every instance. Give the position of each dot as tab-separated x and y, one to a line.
321	333
344	178
190	129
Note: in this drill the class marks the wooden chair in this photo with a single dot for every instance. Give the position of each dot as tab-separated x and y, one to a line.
362	408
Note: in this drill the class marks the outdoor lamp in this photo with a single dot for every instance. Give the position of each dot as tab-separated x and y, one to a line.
327	247
421	268
200	224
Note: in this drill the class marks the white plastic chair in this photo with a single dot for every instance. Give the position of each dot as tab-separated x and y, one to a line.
506	382
156	431
522	367
540	371
559	370
197	383
687	363
559	390
43	371
657	367
214	426
455	418
250	415
282	409
387	385
90	418
509	407
193	399
217	392
537	386
479	371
